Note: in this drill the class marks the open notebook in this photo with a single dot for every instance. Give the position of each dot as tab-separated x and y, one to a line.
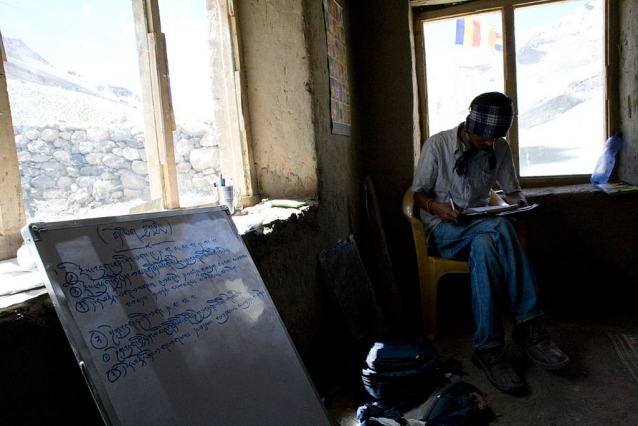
497	210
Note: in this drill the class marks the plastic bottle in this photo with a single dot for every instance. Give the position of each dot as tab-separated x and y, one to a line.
606	162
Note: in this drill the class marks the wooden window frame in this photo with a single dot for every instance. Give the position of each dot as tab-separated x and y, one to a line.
507	8
159	124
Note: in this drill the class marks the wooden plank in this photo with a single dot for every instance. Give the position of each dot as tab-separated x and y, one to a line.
159	121
509	73
250	191
150	133
164	119
12	216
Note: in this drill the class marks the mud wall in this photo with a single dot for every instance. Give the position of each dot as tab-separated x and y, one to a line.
628	88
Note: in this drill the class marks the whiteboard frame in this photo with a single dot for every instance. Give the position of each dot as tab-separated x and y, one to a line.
34	232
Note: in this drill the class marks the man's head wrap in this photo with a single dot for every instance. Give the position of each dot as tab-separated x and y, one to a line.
491	115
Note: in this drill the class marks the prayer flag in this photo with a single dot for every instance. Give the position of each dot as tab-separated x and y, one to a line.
468	32
494	39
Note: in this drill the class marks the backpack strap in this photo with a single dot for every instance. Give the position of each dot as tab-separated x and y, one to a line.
424	410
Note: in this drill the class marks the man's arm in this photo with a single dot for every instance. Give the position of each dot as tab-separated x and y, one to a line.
442	210
516	197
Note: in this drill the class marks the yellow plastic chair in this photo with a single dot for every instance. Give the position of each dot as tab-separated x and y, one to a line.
431	268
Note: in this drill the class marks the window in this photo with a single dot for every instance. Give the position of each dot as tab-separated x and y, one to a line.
101	126
548	57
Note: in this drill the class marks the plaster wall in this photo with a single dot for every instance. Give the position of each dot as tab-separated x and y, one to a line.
278	80
296	155
628	87
385	99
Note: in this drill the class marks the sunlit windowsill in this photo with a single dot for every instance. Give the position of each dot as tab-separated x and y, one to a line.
261	217
21	282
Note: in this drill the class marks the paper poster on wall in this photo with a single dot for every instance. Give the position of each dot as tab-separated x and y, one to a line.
337	65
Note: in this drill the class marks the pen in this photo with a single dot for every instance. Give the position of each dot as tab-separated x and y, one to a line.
449	194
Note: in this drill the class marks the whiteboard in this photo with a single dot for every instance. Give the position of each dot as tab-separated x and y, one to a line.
171	322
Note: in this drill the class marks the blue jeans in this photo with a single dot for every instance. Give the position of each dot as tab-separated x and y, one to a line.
502	279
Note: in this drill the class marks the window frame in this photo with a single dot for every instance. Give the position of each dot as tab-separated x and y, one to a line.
507	8
159	123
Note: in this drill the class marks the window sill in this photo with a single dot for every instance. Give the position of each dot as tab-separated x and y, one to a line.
263	217
21	283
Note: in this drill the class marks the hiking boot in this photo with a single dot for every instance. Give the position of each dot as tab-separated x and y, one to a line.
499	372
534	339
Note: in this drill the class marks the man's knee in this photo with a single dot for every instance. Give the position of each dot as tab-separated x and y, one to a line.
483	243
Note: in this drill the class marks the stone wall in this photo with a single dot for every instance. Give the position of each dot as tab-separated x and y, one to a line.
79	169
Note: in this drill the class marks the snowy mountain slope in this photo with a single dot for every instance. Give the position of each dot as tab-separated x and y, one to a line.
39	92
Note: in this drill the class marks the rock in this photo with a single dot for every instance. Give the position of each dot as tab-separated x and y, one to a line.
93	158
102	189
86	181
109	176
140	167
183	167
24	156
134	143
49	135
64	182
132	193
40	147
80	196
73	172
91	171
194	128
104	146
63	157
85	147
121	134
53	168
130	153
42	182
98	134
211	138
62	144
130	180
79	136
66	135
183	147
22	141
40	158
32	134
113	161
204	158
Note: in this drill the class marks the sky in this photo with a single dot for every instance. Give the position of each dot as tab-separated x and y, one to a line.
96	39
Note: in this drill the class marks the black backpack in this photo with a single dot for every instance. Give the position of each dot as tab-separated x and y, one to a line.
408	380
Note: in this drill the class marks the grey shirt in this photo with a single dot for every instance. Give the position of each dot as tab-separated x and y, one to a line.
435	174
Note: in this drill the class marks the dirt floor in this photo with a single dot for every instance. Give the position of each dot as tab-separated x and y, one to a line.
596	388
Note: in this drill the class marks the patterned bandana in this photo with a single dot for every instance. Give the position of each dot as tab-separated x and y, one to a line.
489	121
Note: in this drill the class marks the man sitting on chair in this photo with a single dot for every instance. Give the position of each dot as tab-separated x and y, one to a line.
464	163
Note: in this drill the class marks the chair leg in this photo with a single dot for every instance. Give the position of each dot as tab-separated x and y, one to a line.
429	306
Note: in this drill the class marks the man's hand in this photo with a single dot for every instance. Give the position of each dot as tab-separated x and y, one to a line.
445	212
442	210
516	198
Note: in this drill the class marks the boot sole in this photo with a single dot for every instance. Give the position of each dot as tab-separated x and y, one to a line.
507	389
548	367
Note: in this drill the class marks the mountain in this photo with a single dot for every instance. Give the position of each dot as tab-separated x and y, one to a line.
61	95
